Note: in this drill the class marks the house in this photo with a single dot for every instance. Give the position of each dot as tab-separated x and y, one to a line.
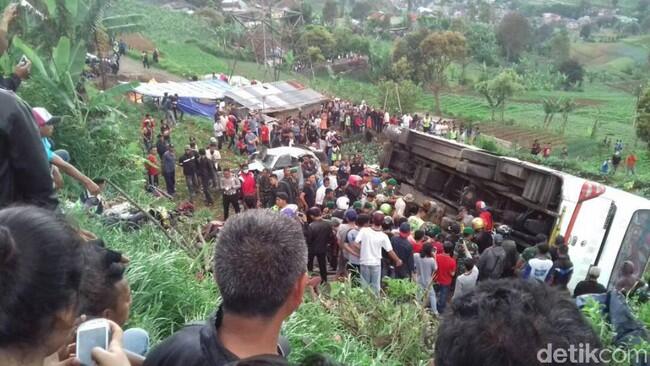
551	18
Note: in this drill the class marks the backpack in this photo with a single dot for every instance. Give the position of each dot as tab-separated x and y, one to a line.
497	269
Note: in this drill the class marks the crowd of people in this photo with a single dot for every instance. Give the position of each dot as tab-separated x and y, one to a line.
351	217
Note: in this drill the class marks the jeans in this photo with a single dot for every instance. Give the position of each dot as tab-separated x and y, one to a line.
63	154
230	199
192	185
322	264
205	183
136	340
152	180
443	295
371	277
170	182
432	297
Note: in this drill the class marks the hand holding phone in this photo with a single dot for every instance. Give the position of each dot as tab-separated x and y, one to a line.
114	355
99	342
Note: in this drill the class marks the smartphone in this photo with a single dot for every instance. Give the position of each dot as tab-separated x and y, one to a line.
90	334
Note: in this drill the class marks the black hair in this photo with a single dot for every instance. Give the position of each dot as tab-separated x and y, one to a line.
362	220
273	176
100	275
418	234
426	251
510	321
448	247
469	264
401	220
201	151
542	248
40	272
242	249
563	249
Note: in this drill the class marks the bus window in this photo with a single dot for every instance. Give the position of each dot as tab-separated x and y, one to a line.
635	246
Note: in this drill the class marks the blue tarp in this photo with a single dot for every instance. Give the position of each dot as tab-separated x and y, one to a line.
196	108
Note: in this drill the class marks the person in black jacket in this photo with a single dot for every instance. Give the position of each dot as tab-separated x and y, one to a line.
24	171
204	171
404	251
254	302
189	163
319	237
590	285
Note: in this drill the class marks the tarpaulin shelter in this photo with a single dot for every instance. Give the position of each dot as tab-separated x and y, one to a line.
277	97
194	97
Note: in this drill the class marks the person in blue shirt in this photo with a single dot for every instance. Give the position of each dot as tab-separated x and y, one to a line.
45	122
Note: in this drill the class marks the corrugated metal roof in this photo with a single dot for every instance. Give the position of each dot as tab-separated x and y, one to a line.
204	89
275	97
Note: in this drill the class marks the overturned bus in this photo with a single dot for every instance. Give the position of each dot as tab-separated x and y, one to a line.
603	226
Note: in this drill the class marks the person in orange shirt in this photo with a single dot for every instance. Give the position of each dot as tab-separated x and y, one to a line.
630	164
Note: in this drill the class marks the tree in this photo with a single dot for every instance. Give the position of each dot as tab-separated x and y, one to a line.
643	117
499	89
566	107
440	49
482	43
551	107
315	45
573	71
585	32
401	95
408	47
360	10
330	11
514	34
560	46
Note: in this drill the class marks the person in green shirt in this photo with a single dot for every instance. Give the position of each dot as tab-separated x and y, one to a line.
465	249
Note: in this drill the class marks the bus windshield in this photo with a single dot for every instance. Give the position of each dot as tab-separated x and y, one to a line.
635	246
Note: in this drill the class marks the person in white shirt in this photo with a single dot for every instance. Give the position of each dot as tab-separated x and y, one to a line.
466	282
320	192
372	241
214	156
539	267
333	178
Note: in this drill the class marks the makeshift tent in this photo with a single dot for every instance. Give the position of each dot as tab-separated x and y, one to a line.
194	97
275	97
204	89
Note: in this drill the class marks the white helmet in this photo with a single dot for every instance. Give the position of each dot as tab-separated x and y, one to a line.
343	203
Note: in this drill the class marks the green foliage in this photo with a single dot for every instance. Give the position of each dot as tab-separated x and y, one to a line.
408	47
408	94
440	49
573	71
360	10
315	44
330	11
514	33
499	89
346	41
643	117
482	43
560	47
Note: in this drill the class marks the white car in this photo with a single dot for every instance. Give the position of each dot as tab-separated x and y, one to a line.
276	159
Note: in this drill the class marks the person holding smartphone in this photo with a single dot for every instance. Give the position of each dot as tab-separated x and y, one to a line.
40	273
23	68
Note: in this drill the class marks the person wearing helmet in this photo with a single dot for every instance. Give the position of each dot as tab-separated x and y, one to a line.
465	249
386	209
343	203
370	202
372	241
482	237
485	214
390	189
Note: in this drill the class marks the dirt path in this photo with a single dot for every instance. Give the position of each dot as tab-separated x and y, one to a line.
131	70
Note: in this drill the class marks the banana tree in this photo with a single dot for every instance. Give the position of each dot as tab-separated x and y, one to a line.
62	76
568	106
551	107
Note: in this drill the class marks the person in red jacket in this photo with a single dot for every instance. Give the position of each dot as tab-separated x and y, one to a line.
445	275
482	210
153	168
248	187
265	135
